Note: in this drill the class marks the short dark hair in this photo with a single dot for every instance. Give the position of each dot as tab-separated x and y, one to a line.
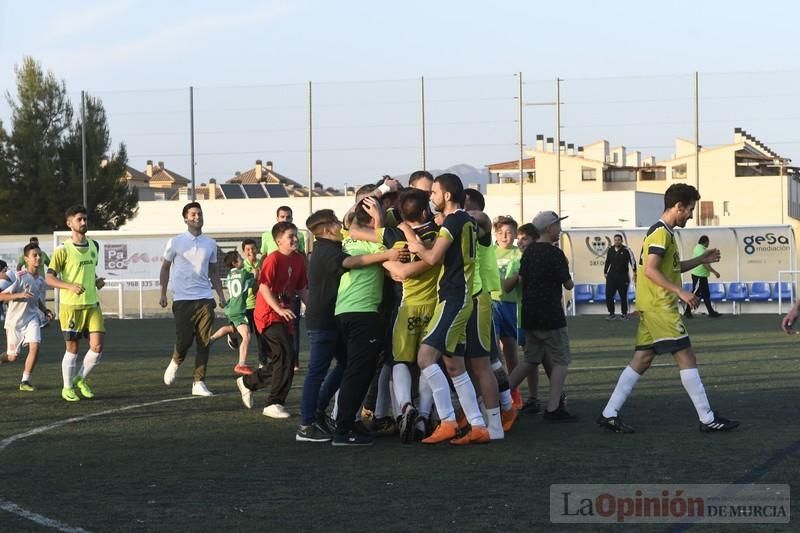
75	210
251	242
3	265
703	240
319	220
475	196
230	258
389	199
191	205
284	208
33	239
413	203
529	230
504	220
362	217
28	248
618	235
680	193
452	184
282	227
418	175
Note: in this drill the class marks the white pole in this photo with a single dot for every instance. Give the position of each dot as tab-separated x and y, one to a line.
521	150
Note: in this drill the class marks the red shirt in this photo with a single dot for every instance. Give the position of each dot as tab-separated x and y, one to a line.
284	275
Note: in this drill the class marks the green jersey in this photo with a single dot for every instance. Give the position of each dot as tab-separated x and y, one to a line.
360	289
419	290
75	263
486	278
253	268
513	270
268	244
505	257
239	283
701	271
659	241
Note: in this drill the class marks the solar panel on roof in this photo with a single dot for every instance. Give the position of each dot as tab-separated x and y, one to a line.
277	191
254	190
232	191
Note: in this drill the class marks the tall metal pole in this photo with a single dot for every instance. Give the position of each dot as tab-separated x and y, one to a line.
520	103
83	146
422	122
310	156
191	138
558	146
697	140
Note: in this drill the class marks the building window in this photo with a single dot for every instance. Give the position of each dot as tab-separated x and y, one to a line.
619	174
588	174
653	174
726	208
159	196
679	172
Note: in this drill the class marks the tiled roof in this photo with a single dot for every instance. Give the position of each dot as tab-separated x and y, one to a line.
162	175
527	164
267	176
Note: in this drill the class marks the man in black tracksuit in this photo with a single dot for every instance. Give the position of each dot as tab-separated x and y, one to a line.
618	259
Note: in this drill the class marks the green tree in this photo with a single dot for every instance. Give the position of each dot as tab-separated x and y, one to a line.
44	161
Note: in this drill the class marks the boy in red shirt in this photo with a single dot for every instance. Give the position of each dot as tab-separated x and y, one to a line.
282	276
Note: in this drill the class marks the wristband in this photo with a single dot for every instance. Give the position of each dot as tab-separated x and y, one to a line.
384	188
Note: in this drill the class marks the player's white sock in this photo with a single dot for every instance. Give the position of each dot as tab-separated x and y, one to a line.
68	368
401	384
425	397
26	376
494	424
90	360
441	392
627	380
690	378
383	403
506	402
468	400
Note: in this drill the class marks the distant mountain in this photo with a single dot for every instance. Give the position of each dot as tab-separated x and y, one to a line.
469	175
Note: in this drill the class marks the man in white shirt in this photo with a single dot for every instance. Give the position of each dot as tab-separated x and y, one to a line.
190	265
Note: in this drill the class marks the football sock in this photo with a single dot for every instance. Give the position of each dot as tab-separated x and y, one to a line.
495	425
401	383
90	360
68	368
627	380
383	402
690	378
441	392
506	402
26	376
425	397
469	402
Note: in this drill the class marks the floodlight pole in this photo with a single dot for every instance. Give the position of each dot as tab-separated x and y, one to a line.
310	156
83	146
558	146
521	150
422	122
697	141
191	139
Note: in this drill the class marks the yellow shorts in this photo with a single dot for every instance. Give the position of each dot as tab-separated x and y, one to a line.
78	322
662	332
408	329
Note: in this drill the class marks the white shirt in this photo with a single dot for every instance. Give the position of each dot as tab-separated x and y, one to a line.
190	257
20	312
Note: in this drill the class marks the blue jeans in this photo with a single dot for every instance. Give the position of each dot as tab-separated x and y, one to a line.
320	385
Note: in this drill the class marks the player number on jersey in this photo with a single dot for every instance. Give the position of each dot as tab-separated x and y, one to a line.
235	288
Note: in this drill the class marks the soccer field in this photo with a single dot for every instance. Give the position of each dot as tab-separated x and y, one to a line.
144	456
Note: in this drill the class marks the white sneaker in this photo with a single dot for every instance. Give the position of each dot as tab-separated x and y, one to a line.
247	394
170	372
276	410
199	389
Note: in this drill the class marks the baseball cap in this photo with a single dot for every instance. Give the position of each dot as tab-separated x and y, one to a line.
544	219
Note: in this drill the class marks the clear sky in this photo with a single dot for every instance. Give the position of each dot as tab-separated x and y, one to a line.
627	67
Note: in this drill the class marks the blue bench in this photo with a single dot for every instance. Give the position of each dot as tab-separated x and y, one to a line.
760	291
787	291
583	293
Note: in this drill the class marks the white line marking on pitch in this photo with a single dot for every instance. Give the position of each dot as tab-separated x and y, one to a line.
13	508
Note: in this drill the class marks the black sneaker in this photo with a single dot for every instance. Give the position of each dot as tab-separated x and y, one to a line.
233	341
714	315
351	438
325	422
559	415
384	426
361	427
312	433
614	424
531	406
719	424
407	423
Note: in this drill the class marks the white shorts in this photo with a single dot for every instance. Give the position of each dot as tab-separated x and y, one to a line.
19	337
